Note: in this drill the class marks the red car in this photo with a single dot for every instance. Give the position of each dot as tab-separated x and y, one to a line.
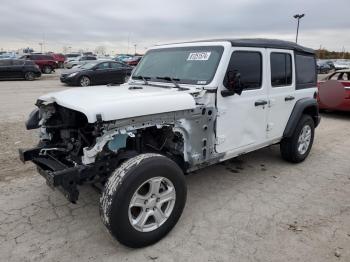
59	58
133	61
334	91
46	63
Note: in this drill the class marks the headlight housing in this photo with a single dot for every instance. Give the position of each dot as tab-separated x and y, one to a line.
33	120
72	74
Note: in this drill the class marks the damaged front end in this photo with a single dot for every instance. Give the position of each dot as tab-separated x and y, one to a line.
64	133
73	151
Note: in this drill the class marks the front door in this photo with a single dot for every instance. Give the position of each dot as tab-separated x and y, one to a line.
241	123
102	74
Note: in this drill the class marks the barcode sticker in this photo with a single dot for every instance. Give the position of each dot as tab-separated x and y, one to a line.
198	56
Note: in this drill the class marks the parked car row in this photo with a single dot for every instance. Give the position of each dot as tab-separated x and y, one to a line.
19	69
79	60
128	59
46	63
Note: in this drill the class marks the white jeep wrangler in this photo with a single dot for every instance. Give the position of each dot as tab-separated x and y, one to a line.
186	106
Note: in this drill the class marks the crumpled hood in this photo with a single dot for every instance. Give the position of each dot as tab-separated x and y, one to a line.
118	102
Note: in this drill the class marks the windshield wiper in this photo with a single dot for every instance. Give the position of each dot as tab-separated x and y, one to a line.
144	78
170	79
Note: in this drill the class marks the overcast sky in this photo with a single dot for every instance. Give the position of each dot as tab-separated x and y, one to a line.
85	24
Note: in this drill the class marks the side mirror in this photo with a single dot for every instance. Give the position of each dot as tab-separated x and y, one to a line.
233	84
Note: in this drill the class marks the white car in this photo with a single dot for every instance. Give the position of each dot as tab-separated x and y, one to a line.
341	64
186	106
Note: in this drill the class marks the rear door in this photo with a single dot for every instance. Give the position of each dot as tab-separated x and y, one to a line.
241	121
281	90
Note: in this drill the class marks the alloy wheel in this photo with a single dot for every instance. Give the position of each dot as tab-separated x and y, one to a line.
152	204
304	139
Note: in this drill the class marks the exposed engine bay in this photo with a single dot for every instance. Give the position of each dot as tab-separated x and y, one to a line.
73	151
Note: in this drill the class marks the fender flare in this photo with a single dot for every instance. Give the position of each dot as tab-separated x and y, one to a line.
304	105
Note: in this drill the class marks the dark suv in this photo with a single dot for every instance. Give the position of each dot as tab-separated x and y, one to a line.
17	68
46	63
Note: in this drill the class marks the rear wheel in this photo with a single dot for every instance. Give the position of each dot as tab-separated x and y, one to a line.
297	147
84	81
143	199
30	76
47	69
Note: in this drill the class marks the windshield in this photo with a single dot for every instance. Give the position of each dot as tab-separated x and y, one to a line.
88	65
188	65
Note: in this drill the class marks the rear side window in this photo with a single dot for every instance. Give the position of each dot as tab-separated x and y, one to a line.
18	62
103	66
28	62
5	62
281	69
116	65
305	71
249	65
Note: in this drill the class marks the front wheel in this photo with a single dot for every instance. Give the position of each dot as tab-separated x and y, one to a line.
84	81
297	147
143	199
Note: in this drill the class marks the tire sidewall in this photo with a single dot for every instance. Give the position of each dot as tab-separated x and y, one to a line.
47	69
305	120
81	79
29	76
134	177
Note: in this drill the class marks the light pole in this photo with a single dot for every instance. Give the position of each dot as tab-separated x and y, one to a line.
297	16
41	47
135	48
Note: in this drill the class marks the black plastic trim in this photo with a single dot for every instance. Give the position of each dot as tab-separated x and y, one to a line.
309	104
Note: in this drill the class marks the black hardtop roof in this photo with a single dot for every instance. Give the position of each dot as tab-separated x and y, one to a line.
262	42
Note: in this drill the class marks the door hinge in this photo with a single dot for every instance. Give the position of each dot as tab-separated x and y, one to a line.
219	140
269	127
221	113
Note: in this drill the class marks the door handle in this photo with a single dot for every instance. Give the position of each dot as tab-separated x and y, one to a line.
260	102
289	98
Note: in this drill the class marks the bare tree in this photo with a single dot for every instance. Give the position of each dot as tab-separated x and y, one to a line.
100	50
65	49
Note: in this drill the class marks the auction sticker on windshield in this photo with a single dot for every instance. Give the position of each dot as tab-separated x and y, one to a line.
198	56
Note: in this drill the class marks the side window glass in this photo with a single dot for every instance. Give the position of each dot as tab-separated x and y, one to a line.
18	62
103	66
335	76
281	69
249	65
116	65
305	66
5	62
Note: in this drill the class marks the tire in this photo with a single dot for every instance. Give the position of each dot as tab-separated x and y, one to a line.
84	81
47	69
126	79
131	182
30	76
291	148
